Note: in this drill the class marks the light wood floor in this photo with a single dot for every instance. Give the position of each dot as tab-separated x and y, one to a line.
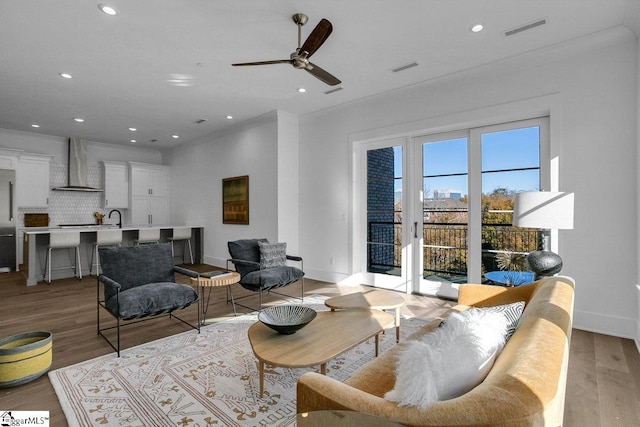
603	386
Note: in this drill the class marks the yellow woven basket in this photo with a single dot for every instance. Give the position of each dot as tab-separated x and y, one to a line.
24	357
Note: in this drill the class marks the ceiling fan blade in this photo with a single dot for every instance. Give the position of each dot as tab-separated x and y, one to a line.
323	75
318	36
277	61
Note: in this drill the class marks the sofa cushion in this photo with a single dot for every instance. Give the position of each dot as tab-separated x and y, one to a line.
271	277
136	265
272	254
511	311
449	361
246	250
151	299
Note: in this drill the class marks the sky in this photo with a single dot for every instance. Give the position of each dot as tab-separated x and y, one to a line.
510	149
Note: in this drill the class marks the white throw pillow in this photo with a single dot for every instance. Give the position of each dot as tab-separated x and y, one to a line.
449	361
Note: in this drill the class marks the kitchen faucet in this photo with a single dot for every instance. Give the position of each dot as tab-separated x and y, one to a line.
119	217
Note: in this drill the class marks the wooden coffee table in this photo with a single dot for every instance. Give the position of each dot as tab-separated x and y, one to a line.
329	335
377	299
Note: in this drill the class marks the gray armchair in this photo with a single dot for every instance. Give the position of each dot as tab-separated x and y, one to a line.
263	267
139	283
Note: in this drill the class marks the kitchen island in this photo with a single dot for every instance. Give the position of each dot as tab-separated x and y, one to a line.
36	242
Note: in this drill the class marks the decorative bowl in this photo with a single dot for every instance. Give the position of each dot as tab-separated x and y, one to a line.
287	319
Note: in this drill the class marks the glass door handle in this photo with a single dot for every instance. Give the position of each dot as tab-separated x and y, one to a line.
415	230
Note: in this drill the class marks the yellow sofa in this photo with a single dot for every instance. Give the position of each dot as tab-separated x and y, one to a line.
525	387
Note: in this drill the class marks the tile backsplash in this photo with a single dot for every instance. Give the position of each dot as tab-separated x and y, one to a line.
70	207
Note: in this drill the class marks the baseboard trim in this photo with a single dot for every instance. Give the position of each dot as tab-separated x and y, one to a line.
605	324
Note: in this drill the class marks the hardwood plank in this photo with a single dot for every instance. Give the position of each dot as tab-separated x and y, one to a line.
609	353
582	400
618	404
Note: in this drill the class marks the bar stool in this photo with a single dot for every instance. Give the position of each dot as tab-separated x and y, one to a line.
147	235
104	238
63	240
184	234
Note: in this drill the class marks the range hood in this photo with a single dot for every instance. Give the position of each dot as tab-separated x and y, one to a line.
77	178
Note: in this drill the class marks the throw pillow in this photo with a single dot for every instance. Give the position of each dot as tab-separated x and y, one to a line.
511	311
272	254
449	361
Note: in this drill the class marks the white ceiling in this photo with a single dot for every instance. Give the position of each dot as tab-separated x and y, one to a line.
124	67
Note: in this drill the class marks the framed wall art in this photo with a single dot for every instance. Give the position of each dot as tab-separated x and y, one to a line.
235	200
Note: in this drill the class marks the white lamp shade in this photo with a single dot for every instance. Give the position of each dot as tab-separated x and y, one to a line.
543	209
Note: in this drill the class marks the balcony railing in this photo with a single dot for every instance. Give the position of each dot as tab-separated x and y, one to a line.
445	252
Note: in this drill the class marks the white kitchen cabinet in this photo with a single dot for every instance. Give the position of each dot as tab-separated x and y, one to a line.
149	193
116	185
32	181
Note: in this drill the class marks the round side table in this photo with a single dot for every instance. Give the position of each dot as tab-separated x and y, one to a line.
212	280
378	299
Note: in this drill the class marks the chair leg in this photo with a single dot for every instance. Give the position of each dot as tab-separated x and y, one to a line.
188	241
47	262
78	263
233	303
95	257
118	334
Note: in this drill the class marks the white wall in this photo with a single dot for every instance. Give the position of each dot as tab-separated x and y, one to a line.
593	135
197	171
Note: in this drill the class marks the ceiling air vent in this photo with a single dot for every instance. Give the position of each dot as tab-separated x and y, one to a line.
405	67
526	27
330	91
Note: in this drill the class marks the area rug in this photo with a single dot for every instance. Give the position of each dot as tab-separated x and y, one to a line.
195	380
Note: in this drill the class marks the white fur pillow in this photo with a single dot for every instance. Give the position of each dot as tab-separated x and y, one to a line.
449	361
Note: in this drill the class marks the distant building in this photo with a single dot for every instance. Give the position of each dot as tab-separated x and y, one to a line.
447	194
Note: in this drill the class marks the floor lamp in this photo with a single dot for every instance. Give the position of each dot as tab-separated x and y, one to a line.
545	210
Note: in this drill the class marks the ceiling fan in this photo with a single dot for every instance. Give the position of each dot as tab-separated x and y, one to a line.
300	58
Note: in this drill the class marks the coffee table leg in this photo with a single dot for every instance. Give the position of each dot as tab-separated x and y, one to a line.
323	369
398	324
377	342
261	373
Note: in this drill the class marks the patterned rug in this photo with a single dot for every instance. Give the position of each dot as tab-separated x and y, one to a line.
192	380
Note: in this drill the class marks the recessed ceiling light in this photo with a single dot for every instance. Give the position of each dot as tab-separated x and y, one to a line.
35	125
65	75
109	10
133	129
476	28
301	90
174	136
133	140
229	117
78	119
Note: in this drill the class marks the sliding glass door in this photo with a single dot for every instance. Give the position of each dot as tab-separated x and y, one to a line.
439	207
